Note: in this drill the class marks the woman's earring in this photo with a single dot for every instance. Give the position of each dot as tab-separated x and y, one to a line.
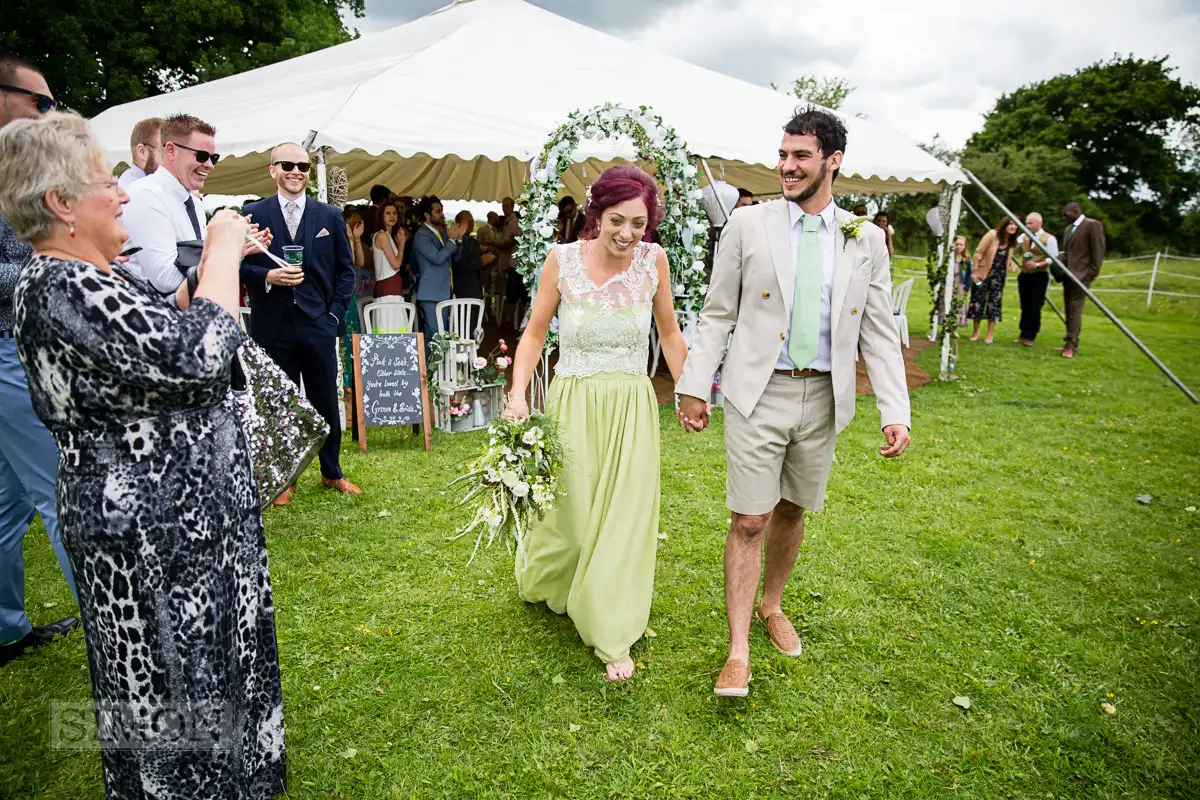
72	229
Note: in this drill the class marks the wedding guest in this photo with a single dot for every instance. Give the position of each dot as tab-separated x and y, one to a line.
433	252
156	495
468	265
164	209
28	454
996	249
745	198
1084	248
364	285
962	262
144	146
379	195
570	220
515	292
882	221
1034	278
388	249
491	239
860	210
298	311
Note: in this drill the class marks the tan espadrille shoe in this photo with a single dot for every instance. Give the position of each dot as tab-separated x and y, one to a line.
782	634
734	680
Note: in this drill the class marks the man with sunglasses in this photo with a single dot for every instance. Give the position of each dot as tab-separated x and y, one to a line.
163	210
28	454
297	311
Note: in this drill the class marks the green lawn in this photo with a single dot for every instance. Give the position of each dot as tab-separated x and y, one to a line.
1005	558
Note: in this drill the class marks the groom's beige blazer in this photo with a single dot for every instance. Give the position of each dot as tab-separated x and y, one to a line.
746	298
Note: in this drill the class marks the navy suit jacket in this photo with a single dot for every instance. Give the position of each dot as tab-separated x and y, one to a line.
328	268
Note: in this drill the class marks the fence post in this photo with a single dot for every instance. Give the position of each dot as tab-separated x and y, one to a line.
1153	275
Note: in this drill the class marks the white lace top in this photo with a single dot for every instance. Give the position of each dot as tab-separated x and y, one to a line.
605	328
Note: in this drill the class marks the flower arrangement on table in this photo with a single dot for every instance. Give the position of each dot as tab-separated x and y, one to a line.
514	482
472	374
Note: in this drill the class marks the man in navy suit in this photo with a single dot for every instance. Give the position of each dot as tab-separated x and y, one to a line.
296	312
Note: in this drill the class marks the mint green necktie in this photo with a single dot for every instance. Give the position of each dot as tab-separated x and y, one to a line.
806	301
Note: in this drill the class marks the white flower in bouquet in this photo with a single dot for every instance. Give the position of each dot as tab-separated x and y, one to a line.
508	492
532	436
480	362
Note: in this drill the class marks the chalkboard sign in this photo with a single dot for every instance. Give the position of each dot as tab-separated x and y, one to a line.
389	383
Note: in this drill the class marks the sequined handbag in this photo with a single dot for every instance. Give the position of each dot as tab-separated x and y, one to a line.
283	429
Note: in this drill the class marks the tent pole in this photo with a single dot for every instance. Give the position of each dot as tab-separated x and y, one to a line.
322	176
1088	292
978	216
947	370
711	182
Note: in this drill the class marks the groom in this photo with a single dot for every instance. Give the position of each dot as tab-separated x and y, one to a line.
802	286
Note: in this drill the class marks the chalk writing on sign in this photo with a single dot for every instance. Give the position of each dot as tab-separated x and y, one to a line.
391	379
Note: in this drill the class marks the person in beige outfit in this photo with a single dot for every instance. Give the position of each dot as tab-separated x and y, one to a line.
802	286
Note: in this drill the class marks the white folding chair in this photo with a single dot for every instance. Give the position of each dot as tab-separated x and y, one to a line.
244	319
900	295
461	314
389	316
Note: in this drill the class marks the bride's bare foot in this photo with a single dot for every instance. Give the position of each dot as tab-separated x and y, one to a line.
620	670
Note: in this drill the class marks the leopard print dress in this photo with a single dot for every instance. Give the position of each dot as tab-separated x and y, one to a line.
159	514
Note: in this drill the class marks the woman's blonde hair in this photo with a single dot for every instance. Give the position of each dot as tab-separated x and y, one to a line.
55	151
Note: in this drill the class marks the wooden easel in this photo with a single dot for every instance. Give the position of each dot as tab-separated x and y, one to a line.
426	408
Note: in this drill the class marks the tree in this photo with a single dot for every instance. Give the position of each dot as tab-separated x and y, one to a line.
100	53
1121	128
827	92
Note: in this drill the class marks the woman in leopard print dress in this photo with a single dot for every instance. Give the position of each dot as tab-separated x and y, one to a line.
157	502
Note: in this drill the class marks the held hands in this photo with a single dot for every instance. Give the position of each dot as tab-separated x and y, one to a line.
693	414
897	441
457	230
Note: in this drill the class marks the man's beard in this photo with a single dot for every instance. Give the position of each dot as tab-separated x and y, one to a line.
151	164
812	188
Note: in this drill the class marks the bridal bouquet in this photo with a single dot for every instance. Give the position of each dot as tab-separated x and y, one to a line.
514	481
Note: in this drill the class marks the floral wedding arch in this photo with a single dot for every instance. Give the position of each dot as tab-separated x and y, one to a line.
683	232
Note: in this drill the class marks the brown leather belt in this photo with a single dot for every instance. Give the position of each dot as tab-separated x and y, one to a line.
801	373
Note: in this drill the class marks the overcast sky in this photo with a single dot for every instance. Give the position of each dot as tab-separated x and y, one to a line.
920	66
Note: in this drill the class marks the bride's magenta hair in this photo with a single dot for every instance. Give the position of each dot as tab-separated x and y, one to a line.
617	185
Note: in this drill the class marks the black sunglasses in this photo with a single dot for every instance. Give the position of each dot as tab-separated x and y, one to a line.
201	155
45	103
288	166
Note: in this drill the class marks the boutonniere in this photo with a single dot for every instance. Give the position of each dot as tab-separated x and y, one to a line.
852	229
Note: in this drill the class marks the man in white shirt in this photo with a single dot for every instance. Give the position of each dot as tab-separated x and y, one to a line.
1034	279
162	211
144	147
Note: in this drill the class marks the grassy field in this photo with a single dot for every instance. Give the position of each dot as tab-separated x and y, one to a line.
1005	558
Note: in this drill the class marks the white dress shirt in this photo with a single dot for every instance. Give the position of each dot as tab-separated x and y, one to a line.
827	238
130	176
157	219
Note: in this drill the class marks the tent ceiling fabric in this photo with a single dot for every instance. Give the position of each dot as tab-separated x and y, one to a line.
374	102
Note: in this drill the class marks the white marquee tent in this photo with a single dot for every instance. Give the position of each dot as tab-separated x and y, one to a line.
459	101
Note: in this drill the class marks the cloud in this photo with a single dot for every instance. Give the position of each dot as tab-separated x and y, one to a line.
921	67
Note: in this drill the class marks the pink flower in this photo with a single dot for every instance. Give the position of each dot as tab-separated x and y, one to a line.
502	344
480	362
503	347
502	362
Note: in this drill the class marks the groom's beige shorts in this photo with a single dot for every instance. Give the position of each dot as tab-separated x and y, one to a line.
784	450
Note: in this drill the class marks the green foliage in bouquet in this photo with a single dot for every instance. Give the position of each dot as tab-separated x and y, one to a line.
514	482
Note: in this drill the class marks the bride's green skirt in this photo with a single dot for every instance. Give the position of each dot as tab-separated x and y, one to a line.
592	558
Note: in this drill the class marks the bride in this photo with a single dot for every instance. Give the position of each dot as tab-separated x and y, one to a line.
592	558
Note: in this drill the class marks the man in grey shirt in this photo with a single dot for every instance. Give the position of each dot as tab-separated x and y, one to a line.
28	453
